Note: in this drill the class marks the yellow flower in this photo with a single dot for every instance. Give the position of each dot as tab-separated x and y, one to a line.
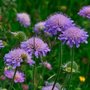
82	78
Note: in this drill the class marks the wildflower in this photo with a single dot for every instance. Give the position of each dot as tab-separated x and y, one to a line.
19	76
39	26
9	73
15	57
57	22
25	87
47	65
85	12
48	86
2	77
74	36
82	78
24	19
35	46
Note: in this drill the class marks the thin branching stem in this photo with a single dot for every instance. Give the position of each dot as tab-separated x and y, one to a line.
72	59
60	64
11	86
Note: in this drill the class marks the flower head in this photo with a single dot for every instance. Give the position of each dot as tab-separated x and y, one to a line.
82	78
2	77
57	22
25	87
35	46
85	12
49	88
47	65
73	36
24	19
16	57
19	76
39	26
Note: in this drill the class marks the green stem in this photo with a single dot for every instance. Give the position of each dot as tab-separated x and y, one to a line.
72	59
11	86
65	81
59	69
34	69
43	70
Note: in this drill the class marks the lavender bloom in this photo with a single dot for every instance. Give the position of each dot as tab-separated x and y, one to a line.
9	73
39	26
49	88
57	22
85	12
74	36
24	19
47	65
15	57
35	46
19	76
1	44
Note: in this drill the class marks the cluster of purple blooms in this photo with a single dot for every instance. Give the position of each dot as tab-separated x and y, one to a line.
68	32
57	24
48	86
33	46
14	59
19	76
17	56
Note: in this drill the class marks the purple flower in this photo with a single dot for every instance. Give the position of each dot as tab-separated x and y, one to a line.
73	36
47	65
49	88
1	44
35	46
9	73
85	12
24	19
57	22
19	76
39	26
15	57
